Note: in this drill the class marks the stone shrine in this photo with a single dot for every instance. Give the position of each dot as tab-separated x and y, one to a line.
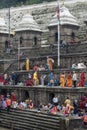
68	27
28	31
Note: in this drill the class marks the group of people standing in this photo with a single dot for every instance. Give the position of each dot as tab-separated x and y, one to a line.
72	79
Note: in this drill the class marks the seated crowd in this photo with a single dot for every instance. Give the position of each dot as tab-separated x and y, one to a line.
77	107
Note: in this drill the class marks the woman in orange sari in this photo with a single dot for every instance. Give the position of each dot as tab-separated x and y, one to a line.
69	79
50	62
62	80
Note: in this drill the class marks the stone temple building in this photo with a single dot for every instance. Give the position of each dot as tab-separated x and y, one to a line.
4	34
28	31
68	27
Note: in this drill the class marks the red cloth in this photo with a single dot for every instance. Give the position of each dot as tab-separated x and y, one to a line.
82	104
13	98
82	81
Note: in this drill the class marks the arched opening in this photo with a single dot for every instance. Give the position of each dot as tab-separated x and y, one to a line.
26	95
21	40
51	96
72	35
35	41
6	44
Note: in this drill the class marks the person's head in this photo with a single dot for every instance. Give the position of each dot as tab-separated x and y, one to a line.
67	97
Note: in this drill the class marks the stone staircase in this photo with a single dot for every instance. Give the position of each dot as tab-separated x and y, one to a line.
30	120
27	119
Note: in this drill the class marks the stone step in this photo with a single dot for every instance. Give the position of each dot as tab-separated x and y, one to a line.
26	120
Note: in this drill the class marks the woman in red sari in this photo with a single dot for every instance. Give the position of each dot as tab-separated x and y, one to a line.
82	80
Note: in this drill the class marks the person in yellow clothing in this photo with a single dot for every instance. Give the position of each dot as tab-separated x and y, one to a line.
35	78
62	80
67	102
27	64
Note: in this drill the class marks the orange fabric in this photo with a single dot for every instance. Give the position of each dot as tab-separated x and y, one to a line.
85	118
62	80
54	110
51	63
8	101
71	107
30	107
35	68
69	80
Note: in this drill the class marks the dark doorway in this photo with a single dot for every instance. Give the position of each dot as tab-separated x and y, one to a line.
26	95
35	41
72	35
6	44
21	40
51	96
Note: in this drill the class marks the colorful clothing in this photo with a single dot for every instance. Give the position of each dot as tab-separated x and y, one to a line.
62	80
69	80
68	102
82	79
50	62
35	78
27	64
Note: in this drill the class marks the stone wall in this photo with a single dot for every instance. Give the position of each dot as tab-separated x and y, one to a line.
43	13
44	94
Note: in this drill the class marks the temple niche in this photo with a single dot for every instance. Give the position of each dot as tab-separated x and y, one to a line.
28	32
68	27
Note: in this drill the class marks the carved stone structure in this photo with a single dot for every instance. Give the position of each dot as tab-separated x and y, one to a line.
44	94
42	14
4	33
68	27
28	31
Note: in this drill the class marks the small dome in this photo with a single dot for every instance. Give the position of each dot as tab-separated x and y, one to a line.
66	18
28	23
3	26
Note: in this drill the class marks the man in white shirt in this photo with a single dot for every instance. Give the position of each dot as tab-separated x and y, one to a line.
74	78
55	100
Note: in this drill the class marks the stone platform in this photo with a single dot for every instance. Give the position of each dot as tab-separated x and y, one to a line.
44	94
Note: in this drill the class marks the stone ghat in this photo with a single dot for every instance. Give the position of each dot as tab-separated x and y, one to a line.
44	94
32	120
68	55
23	74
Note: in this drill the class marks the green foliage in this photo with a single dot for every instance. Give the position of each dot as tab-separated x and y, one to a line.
14	3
